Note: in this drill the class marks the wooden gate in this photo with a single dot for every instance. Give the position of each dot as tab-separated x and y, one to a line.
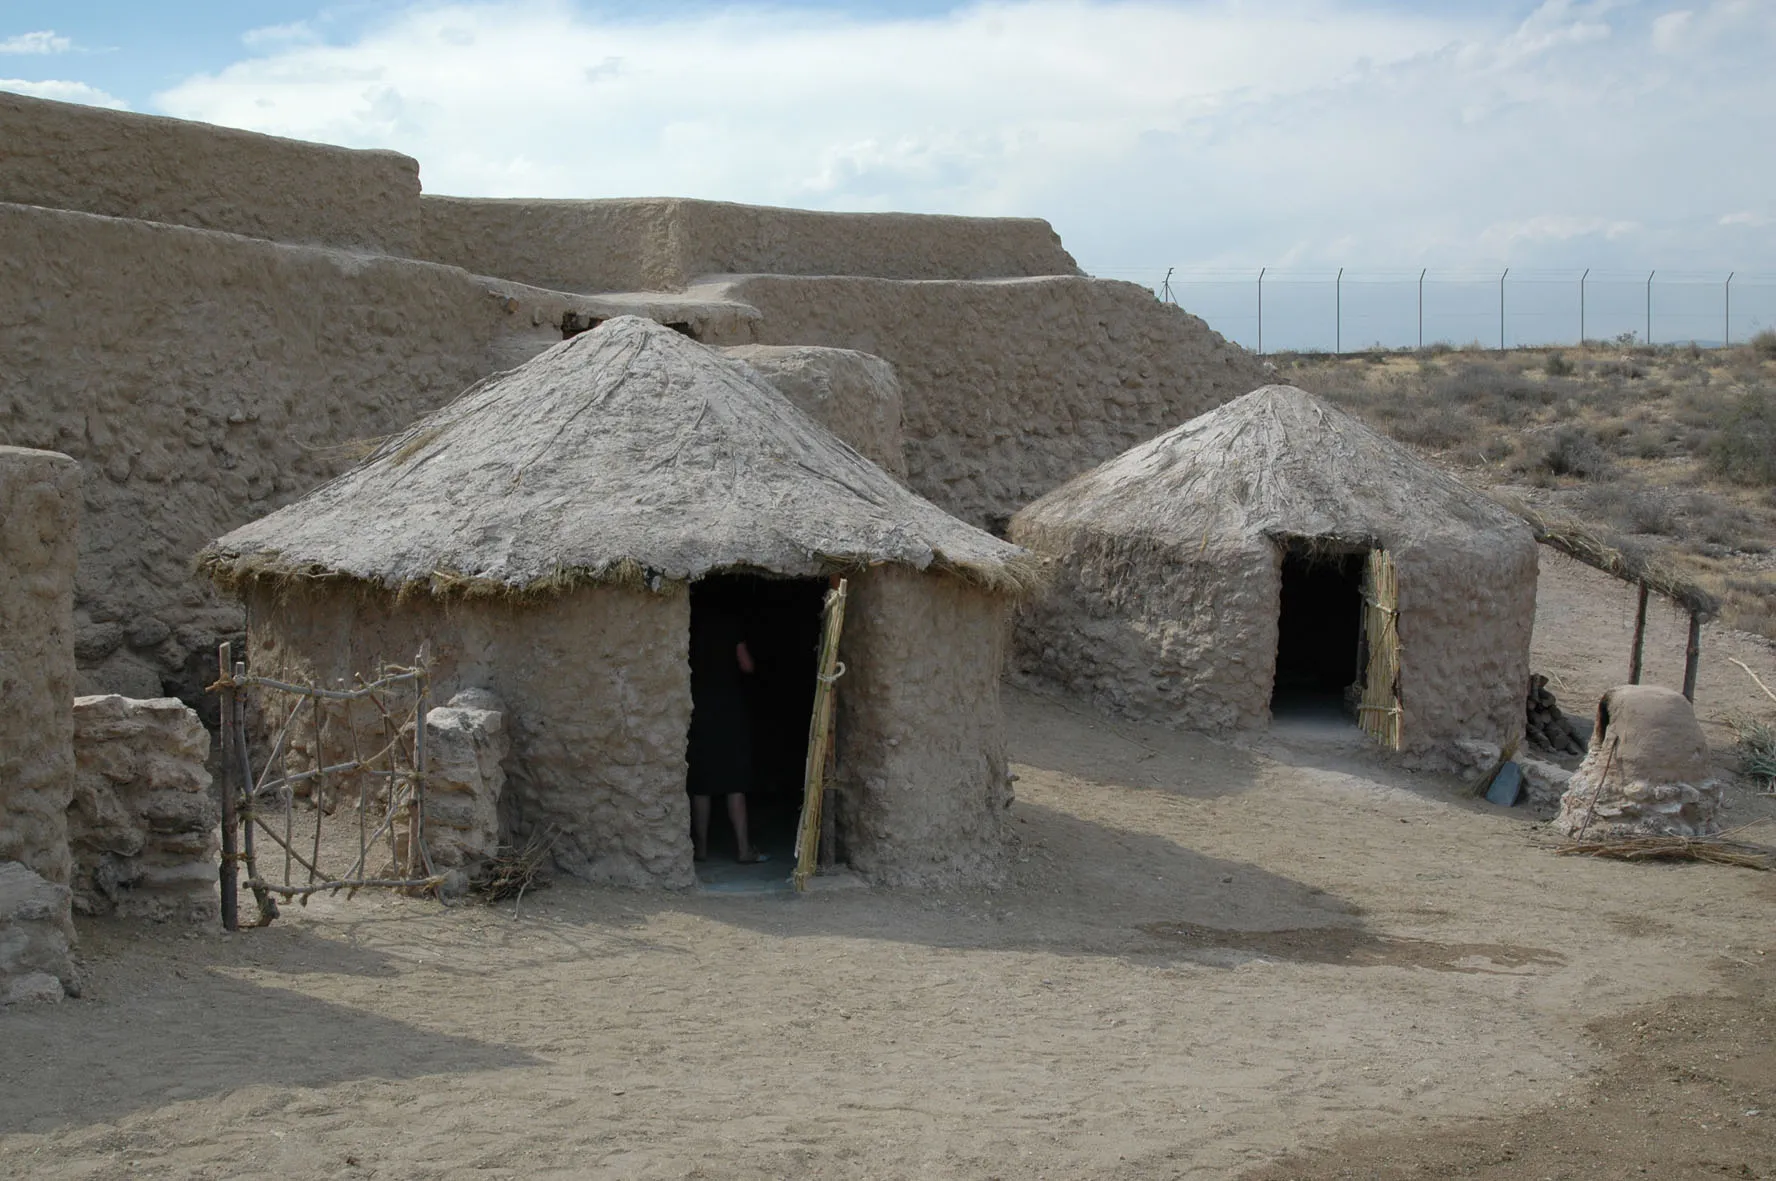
816	817
366	747
1380	711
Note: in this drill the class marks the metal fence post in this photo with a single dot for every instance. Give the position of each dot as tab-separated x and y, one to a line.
1582	279
1261	271
1502	309
1649	323
1727	320
1421	308
1338	313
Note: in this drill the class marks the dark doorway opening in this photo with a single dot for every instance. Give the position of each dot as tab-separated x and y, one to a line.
749	729
1320	659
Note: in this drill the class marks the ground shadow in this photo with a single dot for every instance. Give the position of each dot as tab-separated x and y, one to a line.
1350	947
204	1036
1063	735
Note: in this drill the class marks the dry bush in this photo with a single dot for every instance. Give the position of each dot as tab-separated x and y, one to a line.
1763	345
1565	451
1744	450
1756	748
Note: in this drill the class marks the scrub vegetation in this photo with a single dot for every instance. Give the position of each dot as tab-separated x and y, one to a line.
1669	450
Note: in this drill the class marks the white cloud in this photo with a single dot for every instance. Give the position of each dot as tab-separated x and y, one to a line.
1670	29
1748	217
68	92
1326	131
42	41
280	36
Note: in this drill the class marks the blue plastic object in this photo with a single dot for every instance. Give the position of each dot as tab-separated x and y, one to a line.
1507	786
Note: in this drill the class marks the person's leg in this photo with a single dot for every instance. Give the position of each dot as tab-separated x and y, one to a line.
737	817
700	827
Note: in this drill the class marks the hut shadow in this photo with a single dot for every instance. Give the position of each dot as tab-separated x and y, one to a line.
1073	738
86	1062
1083	888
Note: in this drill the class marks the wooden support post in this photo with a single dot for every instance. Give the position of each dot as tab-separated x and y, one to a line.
230	869
268	908
1639	637
1692	656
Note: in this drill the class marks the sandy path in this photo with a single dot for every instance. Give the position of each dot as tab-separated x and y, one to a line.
1209	955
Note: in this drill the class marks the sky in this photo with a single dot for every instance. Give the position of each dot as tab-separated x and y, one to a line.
1214	136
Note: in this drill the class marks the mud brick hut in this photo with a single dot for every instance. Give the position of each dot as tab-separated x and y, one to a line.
551	535
1275	555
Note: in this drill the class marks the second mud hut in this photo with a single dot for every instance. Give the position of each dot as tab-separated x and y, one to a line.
1273	556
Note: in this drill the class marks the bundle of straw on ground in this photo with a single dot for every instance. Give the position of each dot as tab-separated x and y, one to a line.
1718	850
512	870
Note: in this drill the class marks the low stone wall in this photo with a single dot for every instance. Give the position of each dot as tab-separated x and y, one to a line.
36	937
466	740
68	156
663	243
851	394
142	828
1012	388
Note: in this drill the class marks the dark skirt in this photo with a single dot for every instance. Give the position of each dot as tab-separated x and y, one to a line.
720	747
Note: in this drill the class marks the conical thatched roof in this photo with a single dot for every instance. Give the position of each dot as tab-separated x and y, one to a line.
1277	461
630	453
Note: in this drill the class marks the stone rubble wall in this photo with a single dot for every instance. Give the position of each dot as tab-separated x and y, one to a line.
853	395
143	825
466	741
121	164
39	527
36	937
665	243
1011	388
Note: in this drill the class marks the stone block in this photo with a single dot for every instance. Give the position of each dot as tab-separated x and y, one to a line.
143	824
36	936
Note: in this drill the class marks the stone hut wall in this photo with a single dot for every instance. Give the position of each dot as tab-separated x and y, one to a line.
922	776
39	527
143	826
67	156
664	243
1152	633
1012	388
597	692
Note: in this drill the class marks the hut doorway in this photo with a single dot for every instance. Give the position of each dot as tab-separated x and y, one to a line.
754	650
1321	657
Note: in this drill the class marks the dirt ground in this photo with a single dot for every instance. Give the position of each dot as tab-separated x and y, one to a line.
1280	958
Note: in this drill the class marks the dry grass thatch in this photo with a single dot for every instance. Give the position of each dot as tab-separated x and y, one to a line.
629	455
1591	546
1278	463
1717	850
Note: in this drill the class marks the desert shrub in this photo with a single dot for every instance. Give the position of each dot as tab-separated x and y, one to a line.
1764	344
1756	748
1567	451
1744	450
1494	393
1436	428
1558	366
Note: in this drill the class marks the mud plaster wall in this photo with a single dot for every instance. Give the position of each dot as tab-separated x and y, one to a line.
851	394
922	771
1189	636
1011	388
67	156
663	243
203	380
597	691
1151	632
39	522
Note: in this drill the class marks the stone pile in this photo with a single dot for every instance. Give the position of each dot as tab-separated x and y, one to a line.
36	937
143	825
1646	773
1546	726
465	741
